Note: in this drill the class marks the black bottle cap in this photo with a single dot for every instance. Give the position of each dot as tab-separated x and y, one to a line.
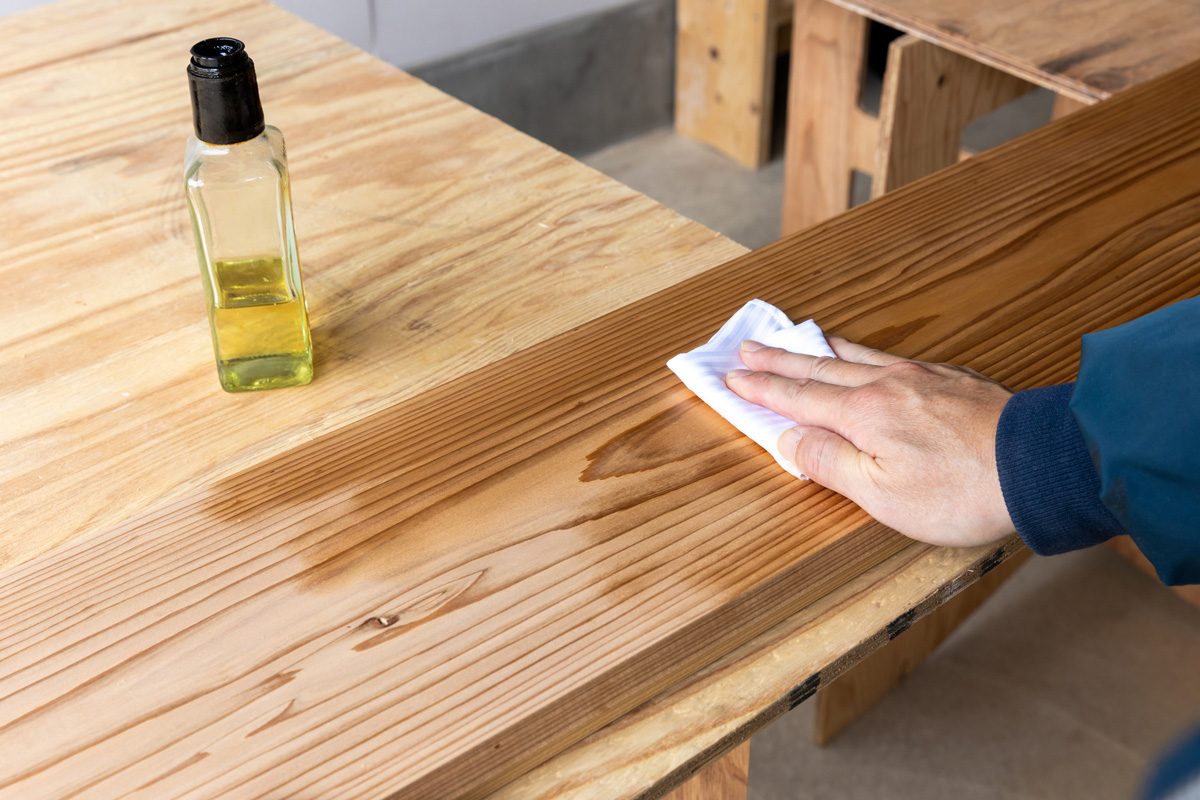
225	104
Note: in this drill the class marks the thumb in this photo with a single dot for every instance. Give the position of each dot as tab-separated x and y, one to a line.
827	458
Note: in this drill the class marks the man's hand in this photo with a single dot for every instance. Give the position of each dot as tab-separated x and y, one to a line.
914	444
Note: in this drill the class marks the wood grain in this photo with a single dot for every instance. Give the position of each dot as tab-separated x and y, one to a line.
661	743
433	239
828	47
1005	226
725	75
1085	49
929	95
726	778
430	599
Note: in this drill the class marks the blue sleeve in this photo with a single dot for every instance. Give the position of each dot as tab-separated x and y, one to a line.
1119	451
1138	406
1178	774
1049	484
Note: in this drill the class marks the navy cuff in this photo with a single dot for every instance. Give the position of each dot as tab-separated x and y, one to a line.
1046	473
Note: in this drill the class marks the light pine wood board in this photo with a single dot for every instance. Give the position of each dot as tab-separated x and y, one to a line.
433	239
827	134
725	73
1076	208
929	96
1085	49
626	534
670	741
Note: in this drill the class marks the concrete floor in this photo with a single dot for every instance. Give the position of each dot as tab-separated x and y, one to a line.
1067	684
704	185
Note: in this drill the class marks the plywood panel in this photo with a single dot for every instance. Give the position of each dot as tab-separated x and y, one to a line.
824	132
434	239
725	75
1086	49
929	95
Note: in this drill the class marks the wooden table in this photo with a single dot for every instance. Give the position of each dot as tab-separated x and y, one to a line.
494	524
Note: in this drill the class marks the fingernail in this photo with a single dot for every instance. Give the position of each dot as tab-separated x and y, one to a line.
789	440
737	373
750	345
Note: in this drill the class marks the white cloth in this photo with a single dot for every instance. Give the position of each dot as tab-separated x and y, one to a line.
703	370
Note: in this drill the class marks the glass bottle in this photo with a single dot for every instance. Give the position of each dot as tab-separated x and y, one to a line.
236	181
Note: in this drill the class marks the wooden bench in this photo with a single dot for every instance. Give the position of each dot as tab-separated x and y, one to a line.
960	60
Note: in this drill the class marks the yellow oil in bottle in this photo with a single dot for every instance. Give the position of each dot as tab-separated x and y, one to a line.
260	329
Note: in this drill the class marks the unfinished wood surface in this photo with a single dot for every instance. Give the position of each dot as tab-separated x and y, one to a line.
726	778
428	600
1086	49
863	685
433	240
663	742
725	75
929	96
828	58
1064	105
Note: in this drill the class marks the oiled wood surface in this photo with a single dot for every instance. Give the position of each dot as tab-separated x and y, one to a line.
1078	226
431	599
1086	49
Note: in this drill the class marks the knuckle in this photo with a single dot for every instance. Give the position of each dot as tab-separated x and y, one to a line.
906	370
868	397
815	455
820	365
794	391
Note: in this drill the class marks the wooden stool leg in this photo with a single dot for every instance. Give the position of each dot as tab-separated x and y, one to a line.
828	56
929	94
724	779
725	75
866	683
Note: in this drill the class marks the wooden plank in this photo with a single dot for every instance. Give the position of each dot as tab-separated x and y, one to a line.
724	779
433	238
1085	49
582	532
725	75
929	95
91	25
650	749
661	743
828	46
858	689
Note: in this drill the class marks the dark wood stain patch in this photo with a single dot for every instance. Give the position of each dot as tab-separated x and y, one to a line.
1084	54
